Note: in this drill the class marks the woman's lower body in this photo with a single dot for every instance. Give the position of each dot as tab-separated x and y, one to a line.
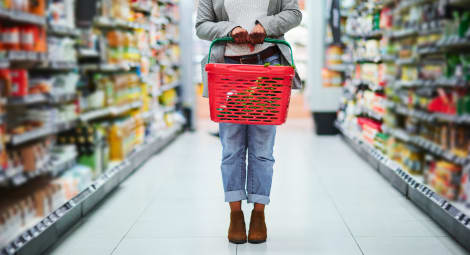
244	181
247	170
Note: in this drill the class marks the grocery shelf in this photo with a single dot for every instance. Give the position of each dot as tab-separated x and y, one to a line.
21	55
427	145
105	22
147	9
451	216
407	61
339	67
4	63
59	66
62	31
429	117
441	82
407	4
370	113
403	33
112	110
170	86
41	132
367	35
375	60
167	109
88	53
41	98
23	17
47	231
108	67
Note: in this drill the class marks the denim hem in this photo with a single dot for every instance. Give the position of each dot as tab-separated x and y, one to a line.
234	196
259	199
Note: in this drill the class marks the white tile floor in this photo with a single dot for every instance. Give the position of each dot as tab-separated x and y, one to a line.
325	200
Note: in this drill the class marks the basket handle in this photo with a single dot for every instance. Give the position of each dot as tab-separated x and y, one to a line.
268	40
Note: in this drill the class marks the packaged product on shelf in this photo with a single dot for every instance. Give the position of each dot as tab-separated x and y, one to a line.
61	49
89	140
331	78
124	136
464	195
445	178
75	180
19	82
413	159
61	13
25	206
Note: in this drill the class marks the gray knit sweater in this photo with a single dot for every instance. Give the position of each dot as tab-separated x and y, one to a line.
245	13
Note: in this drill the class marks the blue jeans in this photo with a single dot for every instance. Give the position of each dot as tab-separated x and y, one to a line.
237	140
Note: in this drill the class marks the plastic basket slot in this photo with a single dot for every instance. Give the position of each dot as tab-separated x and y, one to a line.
255	114
270	81
233	116
239	106
254	107
263	78
240	113
225	79
225	112
275	111
247	110
278	79
262	118
247	117
277	92
269	114
263	91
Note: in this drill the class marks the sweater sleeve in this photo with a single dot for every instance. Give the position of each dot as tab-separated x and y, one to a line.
289	17
207	26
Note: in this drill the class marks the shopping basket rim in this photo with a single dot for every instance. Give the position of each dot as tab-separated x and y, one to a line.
219	68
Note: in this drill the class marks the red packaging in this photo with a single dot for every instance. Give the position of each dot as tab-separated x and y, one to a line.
19	83
11	38
28	34
40	39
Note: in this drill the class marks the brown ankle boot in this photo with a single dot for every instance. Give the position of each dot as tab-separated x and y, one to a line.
258	232
237	229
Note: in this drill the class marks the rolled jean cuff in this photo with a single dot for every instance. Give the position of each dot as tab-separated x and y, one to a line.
259	199
234	196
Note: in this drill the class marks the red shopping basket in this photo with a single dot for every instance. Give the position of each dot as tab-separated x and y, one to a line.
249	94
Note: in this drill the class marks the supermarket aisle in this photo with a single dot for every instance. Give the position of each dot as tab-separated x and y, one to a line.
325	200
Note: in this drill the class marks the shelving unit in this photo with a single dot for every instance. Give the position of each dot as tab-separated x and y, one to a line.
453	217
403	107
38	237
83	113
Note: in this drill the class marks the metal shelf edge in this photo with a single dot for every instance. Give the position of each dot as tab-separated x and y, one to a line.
454	221
47	232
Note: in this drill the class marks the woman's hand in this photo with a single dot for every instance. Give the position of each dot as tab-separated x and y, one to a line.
240	35
258	34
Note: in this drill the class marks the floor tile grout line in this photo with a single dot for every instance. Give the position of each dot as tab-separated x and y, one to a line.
338	211
133	224
136	220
